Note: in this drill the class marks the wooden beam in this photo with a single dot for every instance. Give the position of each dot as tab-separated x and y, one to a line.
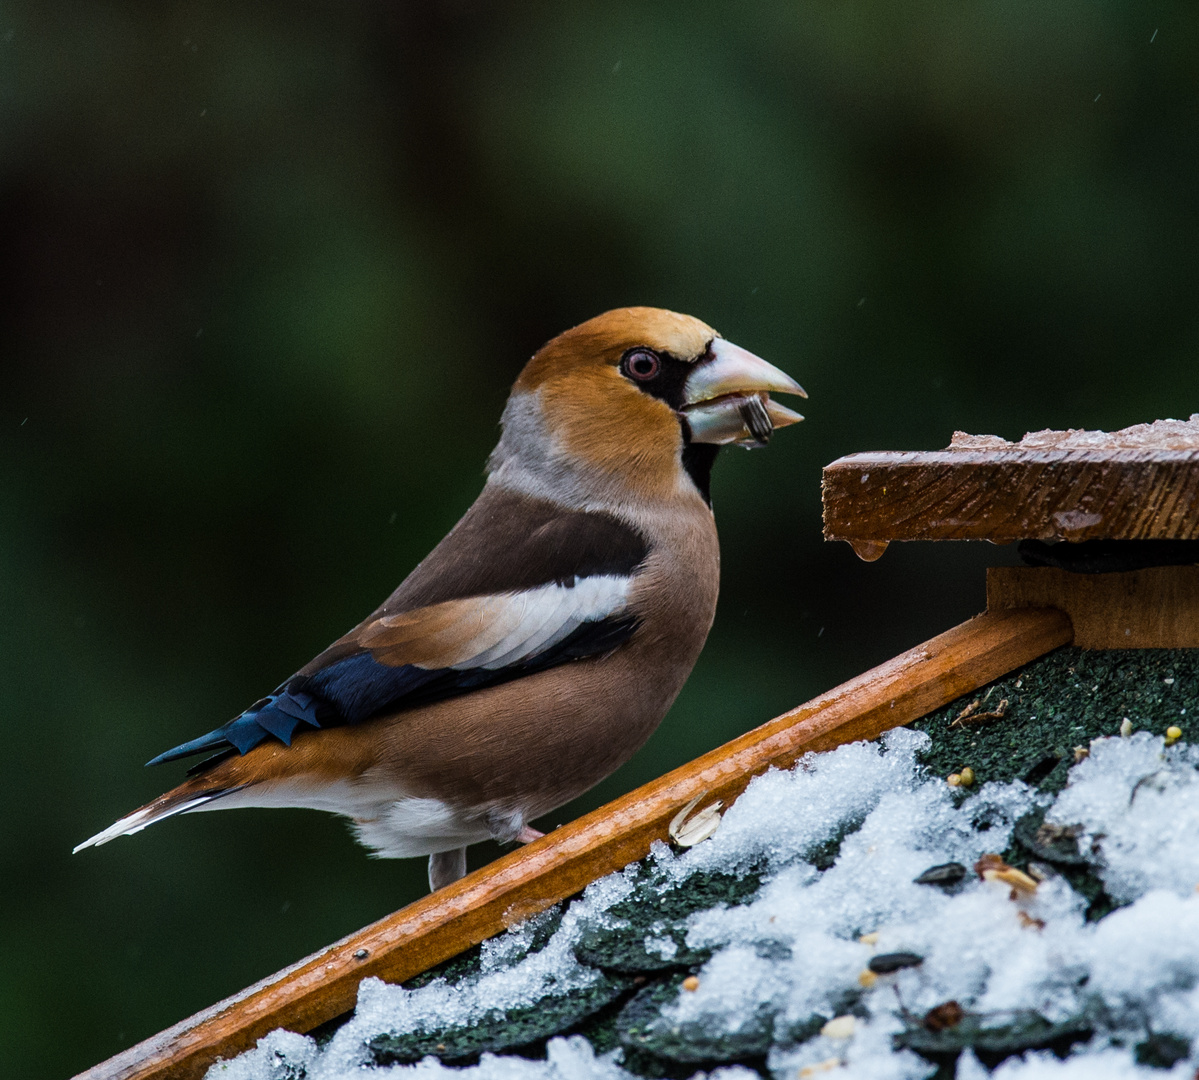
526	881
1154	608
1011	493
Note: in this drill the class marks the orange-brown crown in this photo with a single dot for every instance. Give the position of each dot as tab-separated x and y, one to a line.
602	341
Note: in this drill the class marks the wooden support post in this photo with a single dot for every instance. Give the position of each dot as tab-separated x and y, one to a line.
1154	608
529	880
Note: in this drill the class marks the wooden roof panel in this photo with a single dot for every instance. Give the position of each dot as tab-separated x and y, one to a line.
1138	484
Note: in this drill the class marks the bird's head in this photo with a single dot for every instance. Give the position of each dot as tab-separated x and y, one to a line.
638	399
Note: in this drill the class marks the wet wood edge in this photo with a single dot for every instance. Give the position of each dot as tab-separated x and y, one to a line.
517	885
1006	495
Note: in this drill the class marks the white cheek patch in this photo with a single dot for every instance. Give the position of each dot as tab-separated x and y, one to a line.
529	460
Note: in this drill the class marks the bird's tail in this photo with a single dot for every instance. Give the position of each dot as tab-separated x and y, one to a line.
190	795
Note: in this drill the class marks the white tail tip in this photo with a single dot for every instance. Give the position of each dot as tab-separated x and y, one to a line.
139	819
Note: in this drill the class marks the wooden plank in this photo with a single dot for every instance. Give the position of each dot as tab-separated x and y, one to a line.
1154	608
1011	493
526	881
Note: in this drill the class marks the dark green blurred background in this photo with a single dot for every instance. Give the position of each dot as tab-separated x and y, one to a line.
268	270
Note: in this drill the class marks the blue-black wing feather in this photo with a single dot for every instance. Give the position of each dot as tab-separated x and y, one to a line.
357	687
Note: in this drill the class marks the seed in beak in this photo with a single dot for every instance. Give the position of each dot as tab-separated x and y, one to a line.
757	419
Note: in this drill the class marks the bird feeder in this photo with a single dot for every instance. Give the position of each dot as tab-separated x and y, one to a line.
1108	525
1108	522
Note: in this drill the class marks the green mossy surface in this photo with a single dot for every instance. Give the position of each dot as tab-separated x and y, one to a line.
1162	1051
1061	856
465	964
1061	701
993	1040
651	913
1056	703
526	1027
642	1027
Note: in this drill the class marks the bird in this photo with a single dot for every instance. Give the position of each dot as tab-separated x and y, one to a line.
542	641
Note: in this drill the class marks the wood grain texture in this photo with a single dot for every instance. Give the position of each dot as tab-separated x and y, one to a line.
1013	494
1155	608
527	881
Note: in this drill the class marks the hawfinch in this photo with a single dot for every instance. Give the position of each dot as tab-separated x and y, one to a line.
542	641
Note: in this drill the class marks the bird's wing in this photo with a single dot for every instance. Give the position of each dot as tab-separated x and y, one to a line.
567	576
460	645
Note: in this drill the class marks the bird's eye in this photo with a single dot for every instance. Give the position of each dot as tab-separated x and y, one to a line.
642	364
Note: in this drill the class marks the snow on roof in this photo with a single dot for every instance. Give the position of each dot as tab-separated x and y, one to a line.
1160	435
1053	931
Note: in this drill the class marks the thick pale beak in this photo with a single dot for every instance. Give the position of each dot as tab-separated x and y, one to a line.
727	398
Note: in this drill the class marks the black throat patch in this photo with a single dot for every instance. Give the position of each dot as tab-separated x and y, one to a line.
698	459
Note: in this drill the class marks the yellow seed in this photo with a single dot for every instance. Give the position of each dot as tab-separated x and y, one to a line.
827	1065
688	829
1125	728
1009	875
691	983
867	978
966	776
869	939
954	779
839	1027
1173	734
1081	753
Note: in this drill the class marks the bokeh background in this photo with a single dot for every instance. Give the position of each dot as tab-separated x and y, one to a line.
268	270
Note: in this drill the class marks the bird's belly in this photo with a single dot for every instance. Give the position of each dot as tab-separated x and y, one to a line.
527	747
394	824
414	826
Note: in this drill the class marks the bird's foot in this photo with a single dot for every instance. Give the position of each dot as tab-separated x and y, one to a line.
446	867
508	827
